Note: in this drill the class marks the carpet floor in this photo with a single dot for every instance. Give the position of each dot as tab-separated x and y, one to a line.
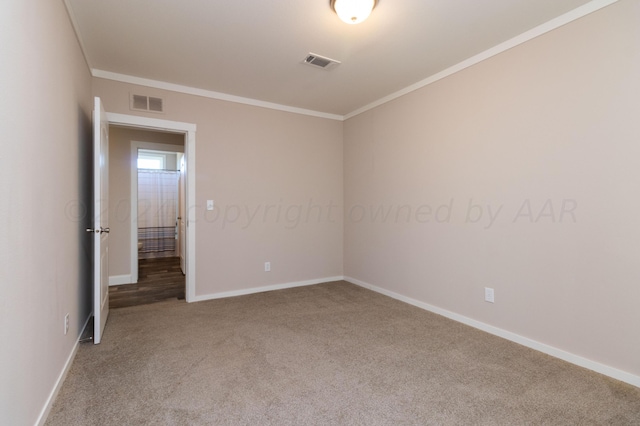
327	354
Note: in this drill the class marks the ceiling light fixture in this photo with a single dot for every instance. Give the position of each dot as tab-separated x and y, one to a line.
353	11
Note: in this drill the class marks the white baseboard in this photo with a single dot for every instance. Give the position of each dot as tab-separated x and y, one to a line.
120	279
530	343
44	413
265	288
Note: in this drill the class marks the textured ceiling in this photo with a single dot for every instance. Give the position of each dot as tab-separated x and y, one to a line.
255	49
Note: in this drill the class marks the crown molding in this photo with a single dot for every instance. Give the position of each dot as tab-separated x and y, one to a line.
123	78
551	25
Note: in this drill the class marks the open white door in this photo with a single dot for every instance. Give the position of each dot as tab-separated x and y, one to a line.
101	220
182	232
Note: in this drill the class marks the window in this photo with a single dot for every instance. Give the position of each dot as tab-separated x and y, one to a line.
150	161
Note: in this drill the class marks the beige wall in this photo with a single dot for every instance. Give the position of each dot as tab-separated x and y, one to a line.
551	125
45	118
120	166
272	175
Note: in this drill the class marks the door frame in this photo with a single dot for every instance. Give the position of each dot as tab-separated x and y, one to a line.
135	146
189	132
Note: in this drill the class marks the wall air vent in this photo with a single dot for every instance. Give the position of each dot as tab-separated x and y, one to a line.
320	61
146	103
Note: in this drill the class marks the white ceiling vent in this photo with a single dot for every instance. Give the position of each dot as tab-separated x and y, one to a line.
320	61
146	103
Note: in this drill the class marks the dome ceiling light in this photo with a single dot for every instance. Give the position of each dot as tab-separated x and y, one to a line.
353	11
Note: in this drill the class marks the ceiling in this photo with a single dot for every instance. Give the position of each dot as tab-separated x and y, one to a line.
255	48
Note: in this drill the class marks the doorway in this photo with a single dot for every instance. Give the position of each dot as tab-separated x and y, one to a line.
158	203
187	133
158	185
160	180
157	178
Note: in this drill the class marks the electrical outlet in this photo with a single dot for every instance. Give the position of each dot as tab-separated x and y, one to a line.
267	266
66	324
488	295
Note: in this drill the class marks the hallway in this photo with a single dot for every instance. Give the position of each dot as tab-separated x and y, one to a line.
158	279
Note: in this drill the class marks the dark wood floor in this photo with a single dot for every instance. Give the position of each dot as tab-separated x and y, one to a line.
158	279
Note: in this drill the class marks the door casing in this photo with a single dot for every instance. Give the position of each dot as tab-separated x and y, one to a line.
189	132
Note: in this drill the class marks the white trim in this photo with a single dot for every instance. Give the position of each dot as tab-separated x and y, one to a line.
551	25
525	341
265	288
502	47
44	413
76	30
133	208
123	78
135	146
121	279
153	146
189	130
190	200
150	123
